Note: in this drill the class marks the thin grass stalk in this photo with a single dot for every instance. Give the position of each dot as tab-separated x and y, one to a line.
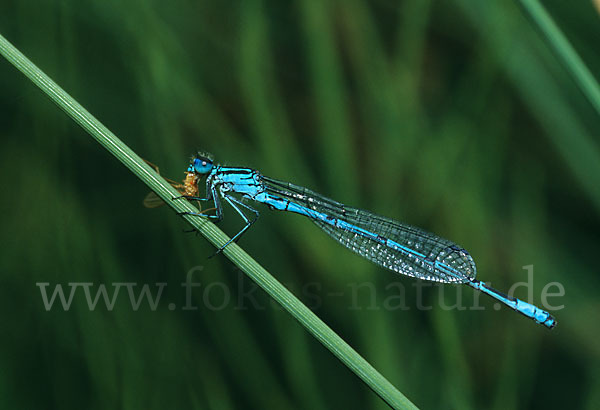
565	51
214	235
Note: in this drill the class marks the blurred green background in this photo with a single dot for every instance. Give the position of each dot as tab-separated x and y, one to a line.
449	115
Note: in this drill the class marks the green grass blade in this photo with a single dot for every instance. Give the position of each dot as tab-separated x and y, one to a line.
565	51
237	255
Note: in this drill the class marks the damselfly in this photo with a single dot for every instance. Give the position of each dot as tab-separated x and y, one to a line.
393	245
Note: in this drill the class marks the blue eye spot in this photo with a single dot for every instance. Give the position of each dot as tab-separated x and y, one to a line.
202	165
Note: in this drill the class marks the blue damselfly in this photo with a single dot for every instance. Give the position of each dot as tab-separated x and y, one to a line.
393	245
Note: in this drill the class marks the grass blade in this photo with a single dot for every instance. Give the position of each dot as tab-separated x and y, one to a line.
565	51
237	255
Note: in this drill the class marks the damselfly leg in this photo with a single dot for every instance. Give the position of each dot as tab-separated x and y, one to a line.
232	201
213	195
235	204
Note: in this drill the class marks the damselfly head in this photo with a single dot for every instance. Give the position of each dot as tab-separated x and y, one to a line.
201	163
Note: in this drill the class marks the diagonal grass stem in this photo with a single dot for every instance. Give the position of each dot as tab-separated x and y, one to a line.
323	333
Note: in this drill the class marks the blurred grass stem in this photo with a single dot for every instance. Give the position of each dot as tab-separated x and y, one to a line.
565	51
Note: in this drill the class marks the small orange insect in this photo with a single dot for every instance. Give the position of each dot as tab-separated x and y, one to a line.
188	187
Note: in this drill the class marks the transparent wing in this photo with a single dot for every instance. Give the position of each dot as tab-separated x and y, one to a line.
420	254
152	201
